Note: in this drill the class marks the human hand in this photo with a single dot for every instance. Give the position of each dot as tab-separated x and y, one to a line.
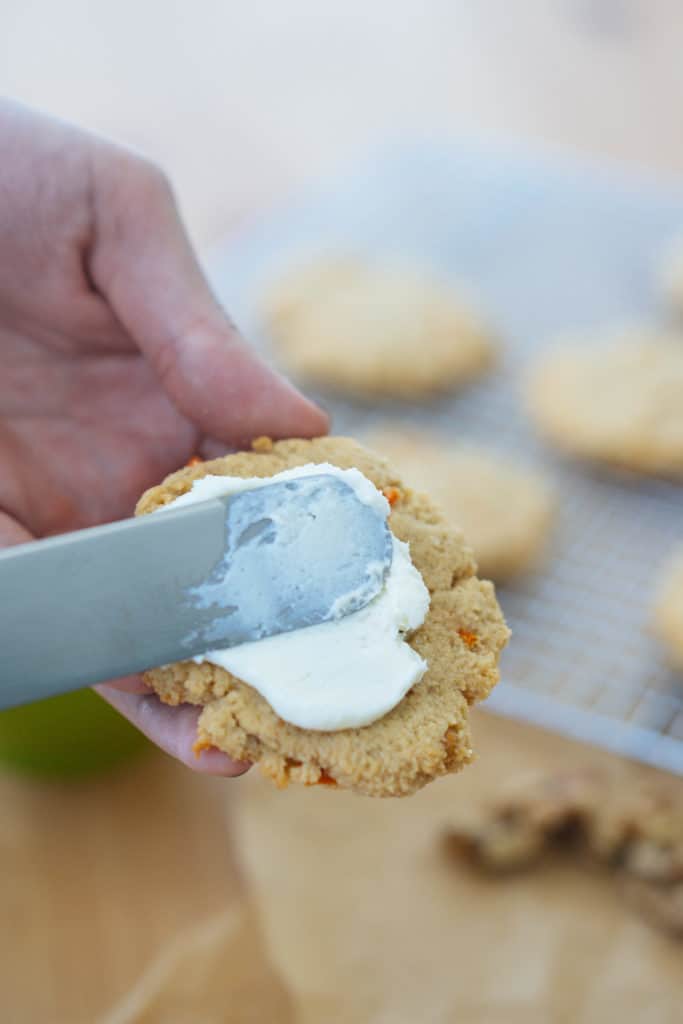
117	364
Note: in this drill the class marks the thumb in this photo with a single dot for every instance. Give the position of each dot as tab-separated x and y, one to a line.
144	265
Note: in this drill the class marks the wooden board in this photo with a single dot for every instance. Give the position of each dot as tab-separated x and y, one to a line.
340	909
96	877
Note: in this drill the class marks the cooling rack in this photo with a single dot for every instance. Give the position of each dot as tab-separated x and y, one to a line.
543	247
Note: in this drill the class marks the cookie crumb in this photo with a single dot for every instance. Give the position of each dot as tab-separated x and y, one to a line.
262	444
199	746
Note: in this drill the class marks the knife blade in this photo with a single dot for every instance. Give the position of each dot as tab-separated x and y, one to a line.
114	600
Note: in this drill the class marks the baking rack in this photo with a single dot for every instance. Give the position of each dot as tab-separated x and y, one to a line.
543	248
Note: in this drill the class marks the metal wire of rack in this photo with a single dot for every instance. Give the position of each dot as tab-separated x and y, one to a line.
545	248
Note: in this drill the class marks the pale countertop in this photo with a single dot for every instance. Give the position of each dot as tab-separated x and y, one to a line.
242	104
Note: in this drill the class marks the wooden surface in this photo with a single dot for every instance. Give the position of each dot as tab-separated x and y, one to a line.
244	103
366	919
97	876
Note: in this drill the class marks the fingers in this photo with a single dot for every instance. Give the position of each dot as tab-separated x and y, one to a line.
210	448
174	730
131	684
143	262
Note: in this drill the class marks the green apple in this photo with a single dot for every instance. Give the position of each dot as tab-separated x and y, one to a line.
72	735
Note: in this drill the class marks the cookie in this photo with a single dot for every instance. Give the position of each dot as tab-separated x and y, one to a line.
375	332
424	736
634	831
505	511
667	613
618	402
671	275
535	817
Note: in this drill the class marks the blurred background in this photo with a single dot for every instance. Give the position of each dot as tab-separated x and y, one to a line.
142	893
243	104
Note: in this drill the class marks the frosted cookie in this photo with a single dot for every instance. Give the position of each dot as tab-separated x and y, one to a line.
426	734
376	331
667	614
505	511
619	402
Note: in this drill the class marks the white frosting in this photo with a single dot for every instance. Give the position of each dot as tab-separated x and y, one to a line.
343	673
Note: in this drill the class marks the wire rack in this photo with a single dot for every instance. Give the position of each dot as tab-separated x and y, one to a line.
544	248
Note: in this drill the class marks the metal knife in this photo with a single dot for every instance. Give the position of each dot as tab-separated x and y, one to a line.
113	600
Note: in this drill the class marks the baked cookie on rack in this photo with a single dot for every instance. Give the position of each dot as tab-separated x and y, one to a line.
376	331
670	274
505	510
616	400
667	613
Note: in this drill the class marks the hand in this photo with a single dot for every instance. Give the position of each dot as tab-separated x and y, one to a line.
117	364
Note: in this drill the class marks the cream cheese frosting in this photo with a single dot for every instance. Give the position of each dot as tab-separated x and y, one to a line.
351	670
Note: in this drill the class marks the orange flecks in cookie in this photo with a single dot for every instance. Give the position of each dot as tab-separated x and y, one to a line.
194	461
326	780
262	444
392	494
470	639
200	746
